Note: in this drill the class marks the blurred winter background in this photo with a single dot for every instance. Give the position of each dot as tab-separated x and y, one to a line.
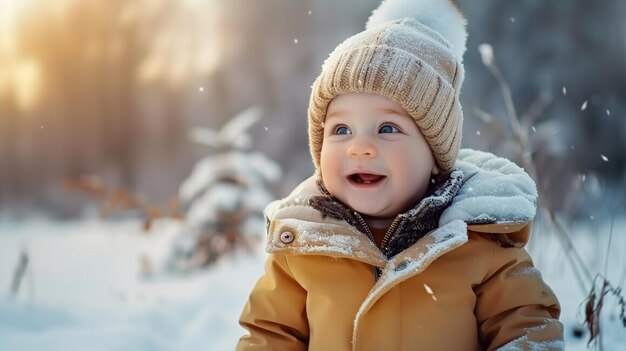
140	140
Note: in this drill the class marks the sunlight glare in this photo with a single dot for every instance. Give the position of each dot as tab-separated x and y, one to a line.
26	84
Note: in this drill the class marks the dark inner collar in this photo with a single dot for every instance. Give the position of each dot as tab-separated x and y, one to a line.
412	224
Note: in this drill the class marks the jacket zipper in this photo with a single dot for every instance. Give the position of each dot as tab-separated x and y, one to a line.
364	225
383	244
368	232
392	228
366	229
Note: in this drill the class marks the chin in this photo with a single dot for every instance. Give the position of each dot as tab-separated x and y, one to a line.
365	210
368	211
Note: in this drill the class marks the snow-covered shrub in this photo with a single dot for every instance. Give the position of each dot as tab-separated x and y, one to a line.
224	196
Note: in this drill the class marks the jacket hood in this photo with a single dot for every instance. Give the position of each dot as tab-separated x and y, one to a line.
494	190
497	198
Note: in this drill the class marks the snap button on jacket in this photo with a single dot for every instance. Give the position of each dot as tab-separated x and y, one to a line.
286	237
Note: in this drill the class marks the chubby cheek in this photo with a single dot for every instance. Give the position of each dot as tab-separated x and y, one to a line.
412	172
330	166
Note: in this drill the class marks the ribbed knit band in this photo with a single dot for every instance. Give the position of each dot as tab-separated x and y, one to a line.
406	62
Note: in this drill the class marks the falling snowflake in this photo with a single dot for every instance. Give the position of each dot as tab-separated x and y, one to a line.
604	158
564	90
201	89
266	128
513	19
486	54
584	106
309	12
478	132
584	177
295	41
534	129
592	217
430	292
608	113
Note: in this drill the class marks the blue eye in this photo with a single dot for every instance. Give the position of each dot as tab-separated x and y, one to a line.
342	130
388	128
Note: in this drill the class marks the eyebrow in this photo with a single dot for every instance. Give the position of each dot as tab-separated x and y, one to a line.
336	113
389	110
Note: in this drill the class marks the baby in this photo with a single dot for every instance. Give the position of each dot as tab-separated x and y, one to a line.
400	241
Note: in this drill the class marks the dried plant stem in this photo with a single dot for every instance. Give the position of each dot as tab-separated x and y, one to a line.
583	276
622	279
508	102
608	247
593	309
520	136
603	293
121	199
19	273
536	109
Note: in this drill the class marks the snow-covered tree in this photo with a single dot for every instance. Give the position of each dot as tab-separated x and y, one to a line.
224	196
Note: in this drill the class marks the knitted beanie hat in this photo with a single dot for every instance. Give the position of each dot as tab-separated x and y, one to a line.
408	60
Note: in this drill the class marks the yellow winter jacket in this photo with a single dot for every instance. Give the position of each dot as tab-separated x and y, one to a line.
467	285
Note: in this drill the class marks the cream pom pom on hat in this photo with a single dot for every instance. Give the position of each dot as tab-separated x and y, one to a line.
411	52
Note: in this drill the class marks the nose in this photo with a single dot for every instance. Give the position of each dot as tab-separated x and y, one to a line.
362	148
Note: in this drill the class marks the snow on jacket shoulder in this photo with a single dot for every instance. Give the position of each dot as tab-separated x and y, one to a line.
467	285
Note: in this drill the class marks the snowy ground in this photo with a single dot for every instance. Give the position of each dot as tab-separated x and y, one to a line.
85	290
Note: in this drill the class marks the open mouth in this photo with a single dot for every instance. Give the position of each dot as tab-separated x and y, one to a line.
366	178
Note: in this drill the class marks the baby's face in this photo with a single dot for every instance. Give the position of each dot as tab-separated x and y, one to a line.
374	158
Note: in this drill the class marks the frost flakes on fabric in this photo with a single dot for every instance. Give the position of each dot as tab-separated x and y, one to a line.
524	344
527	345
333	243
310	240
527	271
494	188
